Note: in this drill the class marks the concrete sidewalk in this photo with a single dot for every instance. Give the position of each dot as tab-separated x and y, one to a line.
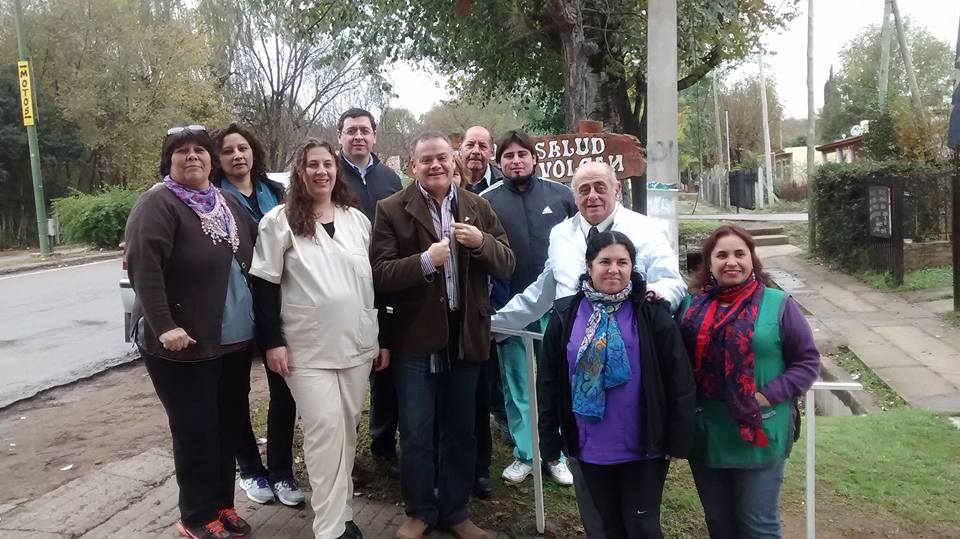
20	260
137	497
906	344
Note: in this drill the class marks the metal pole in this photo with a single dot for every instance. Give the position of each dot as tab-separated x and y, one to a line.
811	136
720	164
39	200
767	161
884	53
535	434
811	526
908	62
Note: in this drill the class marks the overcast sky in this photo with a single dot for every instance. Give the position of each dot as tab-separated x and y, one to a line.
836	22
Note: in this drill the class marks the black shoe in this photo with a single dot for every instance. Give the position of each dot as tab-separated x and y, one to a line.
352	531
391	464
211	530
482	488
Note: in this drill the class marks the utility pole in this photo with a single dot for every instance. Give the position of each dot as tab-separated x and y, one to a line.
726	117
28	110
884	53
811	153
716	127
767	161
908	62
662	152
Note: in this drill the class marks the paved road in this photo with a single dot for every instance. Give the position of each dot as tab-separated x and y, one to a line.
781	217
58	326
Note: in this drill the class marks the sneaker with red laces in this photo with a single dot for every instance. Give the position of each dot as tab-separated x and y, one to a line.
233	523
211	530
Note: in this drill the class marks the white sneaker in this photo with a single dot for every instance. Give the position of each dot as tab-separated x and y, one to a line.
288	492
257	489
560	473
517	472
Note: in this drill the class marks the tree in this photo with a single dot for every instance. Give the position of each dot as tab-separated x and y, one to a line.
394	131
742	100
458	115
285	78
122	72
857	82
591	52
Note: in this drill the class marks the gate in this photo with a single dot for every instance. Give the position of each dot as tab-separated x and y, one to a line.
743	188
885	226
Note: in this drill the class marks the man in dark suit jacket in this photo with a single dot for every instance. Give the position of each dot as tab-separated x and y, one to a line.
434	249
371	181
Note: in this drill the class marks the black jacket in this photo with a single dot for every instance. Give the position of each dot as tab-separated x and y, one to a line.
381	182
668	387
528	216
495	176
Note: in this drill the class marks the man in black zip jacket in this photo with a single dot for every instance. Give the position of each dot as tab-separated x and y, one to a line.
528	207
371	181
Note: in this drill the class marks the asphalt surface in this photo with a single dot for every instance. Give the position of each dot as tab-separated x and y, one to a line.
58	326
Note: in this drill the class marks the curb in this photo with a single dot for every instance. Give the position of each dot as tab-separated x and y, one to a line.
47	264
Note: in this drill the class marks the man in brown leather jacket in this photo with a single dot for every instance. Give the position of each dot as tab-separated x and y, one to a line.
433	251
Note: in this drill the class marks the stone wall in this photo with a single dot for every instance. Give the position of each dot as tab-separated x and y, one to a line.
925	255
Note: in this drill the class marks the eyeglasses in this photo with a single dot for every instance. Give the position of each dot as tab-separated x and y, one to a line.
181	129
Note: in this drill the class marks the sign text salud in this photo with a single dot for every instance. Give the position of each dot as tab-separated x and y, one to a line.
558	157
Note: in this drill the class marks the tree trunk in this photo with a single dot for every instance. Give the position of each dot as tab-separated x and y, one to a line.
567	20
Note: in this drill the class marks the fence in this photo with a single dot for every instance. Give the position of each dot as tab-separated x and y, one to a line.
810	399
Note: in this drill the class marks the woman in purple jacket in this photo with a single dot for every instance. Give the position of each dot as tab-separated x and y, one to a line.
615	390
753	355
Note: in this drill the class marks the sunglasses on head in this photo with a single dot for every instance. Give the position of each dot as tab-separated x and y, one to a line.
181	129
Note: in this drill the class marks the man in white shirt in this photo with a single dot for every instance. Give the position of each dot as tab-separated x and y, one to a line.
595	191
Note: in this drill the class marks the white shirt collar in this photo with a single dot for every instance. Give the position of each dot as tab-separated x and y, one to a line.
604	225
488	174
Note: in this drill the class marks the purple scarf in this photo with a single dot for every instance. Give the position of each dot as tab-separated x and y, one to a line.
216	220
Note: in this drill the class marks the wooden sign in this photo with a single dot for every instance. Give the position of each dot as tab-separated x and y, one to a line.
26	96
558	157
878	206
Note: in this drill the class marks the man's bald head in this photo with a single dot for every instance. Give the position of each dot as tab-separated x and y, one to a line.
595	190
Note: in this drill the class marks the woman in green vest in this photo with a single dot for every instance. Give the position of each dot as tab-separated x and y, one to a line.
753	355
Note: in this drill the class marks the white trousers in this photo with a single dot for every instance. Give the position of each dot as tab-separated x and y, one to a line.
329	402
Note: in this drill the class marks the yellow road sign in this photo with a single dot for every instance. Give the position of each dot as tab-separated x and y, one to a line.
26	95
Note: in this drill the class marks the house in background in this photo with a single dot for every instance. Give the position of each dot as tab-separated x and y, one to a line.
790	165
842	151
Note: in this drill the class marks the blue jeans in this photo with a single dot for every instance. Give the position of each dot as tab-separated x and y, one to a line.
445	400
740	503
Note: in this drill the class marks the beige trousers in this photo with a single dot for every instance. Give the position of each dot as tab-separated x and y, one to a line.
329	402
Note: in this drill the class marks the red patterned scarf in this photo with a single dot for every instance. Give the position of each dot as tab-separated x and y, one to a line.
720	342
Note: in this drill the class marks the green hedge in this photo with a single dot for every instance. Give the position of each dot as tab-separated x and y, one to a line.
98	219
842	235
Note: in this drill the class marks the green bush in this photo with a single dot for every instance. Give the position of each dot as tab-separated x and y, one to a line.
98	219
842	234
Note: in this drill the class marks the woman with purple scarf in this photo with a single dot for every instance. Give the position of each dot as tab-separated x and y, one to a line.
615	390
188	252
753	355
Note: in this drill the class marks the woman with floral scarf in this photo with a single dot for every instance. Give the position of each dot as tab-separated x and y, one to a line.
753	355
615	390
189	248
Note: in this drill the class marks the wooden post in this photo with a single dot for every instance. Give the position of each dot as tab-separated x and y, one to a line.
896	233
908	62
884	53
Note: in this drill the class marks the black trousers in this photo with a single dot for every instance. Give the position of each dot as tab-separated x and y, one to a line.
627	496
481	426
384	414
203	401
281	418
495	385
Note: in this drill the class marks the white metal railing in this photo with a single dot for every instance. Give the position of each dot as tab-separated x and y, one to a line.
810	411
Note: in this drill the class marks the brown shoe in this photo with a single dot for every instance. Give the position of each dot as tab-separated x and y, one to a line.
467	530
412	528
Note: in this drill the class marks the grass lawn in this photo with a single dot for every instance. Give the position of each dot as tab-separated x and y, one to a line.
890	473
922	279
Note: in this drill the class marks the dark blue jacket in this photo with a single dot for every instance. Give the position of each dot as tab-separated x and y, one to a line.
527	217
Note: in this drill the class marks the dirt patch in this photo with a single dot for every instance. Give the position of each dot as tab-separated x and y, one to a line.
85	425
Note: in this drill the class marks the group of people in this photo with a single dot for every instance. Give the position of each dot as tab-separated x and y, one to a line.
347	279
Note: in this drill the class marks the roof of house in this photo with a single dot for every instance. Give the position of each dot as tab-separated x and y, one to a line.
837	144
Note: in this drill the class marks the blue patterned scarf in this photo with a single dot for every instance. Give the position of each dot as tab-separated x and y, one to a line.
602	357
